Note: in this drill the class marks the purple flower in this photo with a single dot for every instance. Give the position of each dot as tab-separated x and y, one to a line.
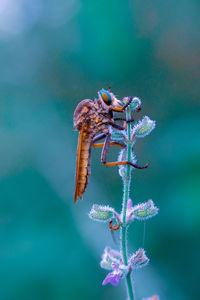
113	277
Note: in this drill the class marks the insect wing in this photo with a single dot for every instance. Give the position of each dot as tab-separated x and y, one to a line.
77	192
81	112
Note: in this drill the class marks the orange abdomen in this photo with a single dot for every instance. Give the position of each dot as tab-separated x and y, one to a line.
82	164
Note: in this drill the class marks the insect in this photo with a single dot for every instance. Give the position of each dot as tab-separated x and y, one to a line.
92	118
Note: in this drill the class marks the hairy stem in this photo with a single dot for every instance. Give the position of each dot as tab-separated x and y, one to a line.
126	182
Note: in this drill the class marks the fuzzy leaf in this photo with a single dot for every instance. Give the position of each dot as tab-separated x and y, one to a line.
144	211
116	135
101	213
144	127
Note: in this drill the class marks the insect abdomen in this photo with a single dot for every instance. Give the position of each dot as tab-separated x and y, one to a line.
83	164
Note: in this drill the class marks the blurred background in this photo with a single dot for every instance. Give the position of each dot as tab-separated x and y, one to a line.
53	54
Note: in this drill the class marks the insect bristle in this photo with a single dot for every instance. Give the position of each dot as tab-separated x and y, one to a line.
115	102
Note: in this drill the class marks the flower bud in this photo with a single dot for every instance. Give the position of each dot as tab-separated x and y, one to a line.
135	103
110	257
143	127
101	213
122	171
129	212
144	211
129	205
139	259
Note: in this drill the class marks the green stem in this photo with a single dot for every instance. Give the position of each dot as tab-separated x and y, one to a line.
126	182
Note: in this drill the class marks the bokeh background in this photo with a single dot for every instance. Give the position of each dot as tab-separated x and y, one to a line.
52	55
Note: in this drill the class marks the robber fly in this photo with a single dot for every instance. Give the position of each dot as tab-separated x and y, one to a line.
92	118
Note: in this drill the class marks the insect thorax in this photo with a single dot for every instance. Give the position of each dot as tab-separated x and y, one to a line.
99	118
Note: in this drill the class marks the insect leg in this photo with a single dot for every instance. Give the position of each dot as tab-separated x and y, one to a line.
122	145
98	137
122	108
117	126
128	103
111	144
113	227
123	119
101	136
119	119
116	163
120	163
112	231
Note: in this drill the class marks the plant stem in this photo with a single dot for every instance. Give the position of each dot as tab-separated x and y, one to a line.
126	182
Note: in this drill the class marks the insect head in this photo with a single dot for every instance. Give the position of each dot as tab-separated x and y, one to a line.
105	96
108	98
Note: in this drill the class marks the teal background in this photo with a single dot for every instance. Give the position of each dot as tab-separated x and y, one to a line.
53	54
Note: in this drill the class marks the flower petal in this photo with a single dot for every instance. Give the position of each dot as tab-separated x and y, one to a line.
112	278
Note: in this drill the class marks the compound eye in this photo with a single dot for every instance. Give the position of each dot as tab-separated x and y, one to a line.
106	96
